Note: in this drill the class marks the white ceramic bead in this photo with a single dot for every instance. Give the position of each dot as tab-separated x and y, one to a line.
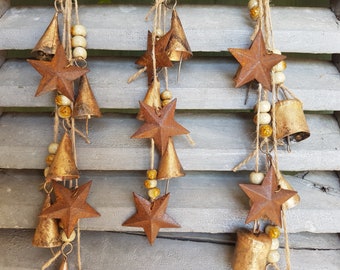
273	256
68	239
276	51
275	244
159	32
264	118
79	52
150	183
279	77
264	106
46	171
78	30
166	94
62	100
256	177
280	66
52	148
78	41
252	3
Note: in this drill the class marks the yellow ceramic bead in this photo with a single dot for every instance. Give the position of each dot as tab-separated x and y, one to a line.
64	112
49	159
273	231
68	239
62	100
256	177
154	193
254	12
266	131
166	94
78	30
151	174
273	256
148	183
52	148
79	52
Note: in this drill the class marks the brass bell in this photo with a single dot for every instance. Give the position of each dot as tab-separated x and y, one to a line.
293	201
49	41
251	251
85	105
290	120
152	97
47	234
178	48
64	264
169	165
63	166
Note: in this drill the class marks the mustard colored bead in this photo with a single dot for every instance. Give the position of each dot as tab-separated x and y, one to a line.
68	239
62	100
273	256
78	41
275	244
78	30
165	102
46	171
79	52
148	183
264	118
49	159
166	94
266	131
256	178
151	174
252	3
64	112
280	66
273	231
154	193
53	147
263	106
279	77
254	13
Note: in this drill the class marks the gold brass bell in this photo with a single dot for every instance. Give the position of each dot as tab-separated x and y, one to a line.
85	105
169	165
47	231
152	97
251	251
48	43
290	120
293	201
63	166
178	48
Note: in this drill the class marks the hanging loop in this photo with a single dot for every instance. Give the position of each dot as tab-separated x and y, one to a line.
170	4
59	6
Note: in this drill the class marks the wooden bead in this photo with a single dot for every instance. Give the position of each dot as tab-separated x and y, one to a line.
252	3
62	100
52	148
256	177
154	193
64	112
68	239
266	131
79	52
279	77
280	66
275	244
273	231
264	119
273	256
166	94
151	174
149	183
263	106
78	41
78	30
254	13
49	159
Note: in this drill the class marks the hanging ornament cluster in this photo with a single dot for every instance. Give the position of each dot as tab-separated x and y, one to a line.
279	120
60	68
157	110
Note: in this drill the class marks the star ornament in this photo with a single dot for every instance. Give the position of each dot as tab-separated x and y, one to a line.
267	198
159	125
151	216
57	74
161	56
70	206
256	63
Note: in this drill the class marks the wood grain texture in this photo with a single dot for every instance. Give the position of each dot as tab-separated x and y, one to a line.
208	28
315	82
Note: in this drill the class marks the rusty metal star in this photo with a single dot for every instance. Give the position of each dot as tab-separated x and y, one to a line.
256	63
159	125
57	74
151	216
70	206
161	56
267	198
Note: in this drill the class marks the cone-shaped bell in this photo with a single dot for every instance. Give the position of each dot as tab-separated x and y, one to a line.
85	105
64	264
152	97
290	120
63	166
169	165
293	201
47	45
47	232
178	47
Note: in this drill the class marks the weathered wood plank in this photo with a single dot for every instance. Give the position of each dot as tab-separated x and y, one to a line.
208	28
316	83
222	140
224	209
102	250
4	6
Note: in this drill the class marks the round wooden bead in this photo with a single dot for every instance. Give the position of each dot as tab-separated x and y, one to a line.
256	177
264	118
68	239
166	94
52	148
64	112
149	183
78	41
49	159
272	231
273	256
78	30
275	244
254	13
62	100
279	77
266	131
79	52
154	193
253	3
151	174
280	66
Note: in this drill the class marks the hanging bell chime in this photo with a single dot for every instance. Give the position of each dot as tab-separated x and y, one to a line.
290	120
49	41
